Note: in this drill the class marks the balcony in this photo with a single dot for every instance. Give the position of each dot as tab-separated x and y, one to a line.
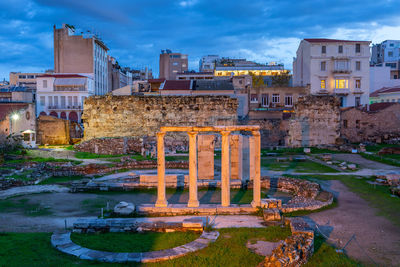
73	107
341	71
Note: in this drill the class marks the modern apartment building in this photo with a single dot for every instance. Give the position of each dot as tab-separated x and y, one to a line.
334	67
207	63
63	95
171	64
84	53
387	54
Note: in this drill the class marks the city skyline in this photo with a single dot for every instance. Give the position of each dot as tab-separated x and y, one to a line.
262	31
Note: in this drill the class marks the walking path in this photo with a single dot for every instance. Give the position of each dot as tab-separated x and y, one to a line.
31	189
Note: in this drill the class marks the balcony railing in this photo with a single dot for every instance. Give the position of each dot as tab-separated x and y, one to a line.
73	107
344	71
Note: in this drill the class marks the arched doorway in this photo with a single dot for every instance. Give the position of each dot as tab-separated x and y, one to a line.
73	116
63	115
54	114
43	113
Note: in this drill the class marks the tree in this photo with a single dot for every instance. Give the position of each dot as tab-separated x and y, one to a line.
280	80
258	80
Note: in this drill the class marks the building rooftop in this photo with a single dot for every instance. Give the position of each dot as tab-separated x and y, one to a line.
212	85
13	88
63	75
156	80
177	85
378	106
385	90
325	40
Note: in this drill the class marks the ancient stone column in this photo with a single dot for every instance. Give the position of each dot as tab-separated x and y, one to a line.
193	201
257	170
251	158
225	170
161	199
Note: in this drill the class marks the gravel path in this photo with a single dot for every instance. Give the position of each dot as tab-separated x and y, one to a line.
378	237
364	163
32	189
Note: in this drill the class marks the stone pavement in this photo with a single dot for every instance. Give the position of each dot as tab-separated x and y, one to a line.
32	189
62	241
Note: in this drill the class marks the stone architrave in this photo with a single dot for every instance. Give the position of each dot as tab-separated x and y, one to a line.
161	198
205	155
236	146
225	170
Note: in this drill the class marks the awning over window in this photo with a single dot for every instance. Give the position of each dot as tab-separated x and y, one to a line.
70	81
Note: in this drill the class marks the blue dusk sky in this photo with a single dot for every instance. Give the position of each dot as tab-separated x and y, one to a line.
136	31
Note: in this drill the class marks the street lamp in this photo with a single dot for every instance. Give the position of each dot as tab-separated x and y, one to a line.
14	117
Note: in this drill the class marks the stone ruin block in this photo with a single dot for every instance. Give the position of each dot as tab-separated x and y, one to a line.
271	203
205	156
272	215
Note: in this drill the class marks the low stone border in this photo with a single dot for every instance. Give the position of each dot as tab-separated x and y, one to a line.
62	242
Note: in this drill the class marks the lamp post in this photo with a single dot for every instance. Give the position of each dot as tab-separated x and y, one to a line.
13	117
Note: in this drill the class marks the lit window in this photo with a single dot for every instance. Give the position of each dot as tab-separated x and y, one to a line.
342	84
254	98
323	84
358	84
276	98
288	100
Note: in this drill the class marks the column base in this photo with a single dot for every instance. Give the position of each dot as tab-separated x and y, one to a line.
161	203
255	204
193	204
225	204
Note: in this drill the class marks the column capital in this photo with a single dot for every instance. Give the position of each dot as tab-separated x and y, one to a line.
192	133
225	133
160	134
255	133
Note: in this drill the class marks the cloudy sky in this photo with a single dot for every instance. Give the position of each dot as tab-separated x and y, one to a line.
136	31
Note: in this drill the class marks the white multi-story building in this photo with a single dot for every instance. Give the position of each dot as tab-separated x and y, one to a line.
335	67
63	95
207	63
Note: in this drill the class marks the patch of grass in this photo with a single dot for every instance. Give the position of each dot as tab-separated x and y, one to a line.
22	176
176	158
296	166
87	155
93	205
139	157
383	159
39	159
286	151
377	147
61	179
326	255
377	196
24	206
133	242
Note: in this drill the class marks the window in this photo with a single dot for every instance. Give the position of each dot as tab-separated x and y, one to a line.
183	65
323	49
288	100
83	100
50	98
358	65
358	83
345	124
42	100
75	100
341	83
390	54
323	65
340	49
264	100
357	101
341	65
62	101
175	63
276	98
342	101
358	48
395	76
56	101
253	98
358	124
69	101
323	84
44	83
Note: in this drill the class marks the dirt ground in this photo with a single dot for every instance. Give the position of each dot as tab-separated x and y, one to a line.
364	163
377	236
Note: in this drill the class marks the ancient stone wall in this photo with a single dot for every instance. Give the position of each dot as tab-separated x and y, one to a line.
138	116
316	122
273	131
53	131
359	125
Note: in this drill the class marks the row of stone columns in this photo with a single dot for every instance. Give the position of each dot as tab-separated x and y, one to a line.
225	170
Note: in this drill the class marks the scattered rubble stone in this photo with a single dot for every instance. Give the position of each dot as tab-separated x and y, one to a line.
124	208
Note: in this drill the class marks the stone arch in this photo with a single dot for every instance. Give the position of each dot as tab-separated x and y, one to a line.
63	115
43	113
54	114
73	116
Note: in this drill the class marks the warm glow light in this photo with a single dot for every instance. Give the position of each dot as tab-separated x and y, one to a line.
323	85
247	72
15	117
342	84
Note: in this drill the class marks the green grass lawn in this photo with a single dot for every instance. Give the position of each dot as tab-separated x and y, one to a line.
393	160
296	166
377	196
25	207
133	242
377	147
39	159
88	155
34	249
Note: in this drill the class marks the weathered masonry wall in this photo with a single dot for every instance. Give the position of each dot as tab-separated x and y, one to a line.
374	126
56	131
316	122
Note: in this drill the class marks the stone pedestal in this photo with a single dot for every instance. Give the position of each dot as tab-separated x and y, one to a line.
205	155
236	146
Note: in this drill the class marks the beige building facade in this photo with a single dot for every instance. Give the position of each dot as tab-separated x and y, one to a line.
171	64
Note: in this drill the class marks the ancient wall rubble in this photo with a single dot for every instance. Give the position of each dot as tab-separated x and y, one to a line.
316	122
380	124
56	131
138	116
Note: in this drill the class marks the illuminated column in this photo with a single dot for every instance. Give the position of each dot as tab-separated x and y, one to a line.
193	201
257	174
225	170
161	200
